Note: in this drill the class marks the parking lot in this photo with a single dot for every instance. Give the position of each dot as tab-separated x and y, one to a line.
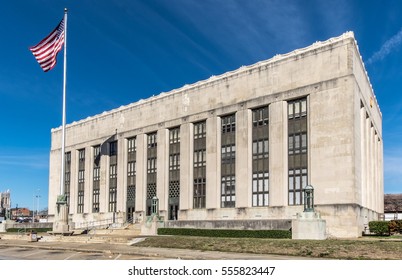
21	253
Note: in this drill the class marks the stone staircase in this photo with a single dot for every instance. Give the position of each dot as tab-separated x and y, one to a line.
123	235
129	230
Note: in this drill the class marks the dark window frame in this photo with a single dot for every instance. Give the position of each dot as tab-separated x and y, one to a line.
228	161
260	157
199	164
96	179
297	150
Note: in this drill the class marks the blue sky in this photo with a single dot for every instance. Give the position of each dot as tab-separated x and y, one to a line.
122	51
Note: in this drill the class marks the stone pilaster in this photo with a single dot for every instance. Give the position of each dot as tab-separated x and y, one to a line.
141	175
162	169
278	161
213	167
186	166
243	158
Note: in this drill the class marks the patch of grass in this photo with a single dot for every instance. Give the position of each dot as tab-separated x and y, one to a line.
372	249
29	230
384	237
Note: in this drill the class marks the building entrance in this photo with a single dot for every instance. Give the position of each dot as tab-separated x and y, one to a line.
173	208
130	214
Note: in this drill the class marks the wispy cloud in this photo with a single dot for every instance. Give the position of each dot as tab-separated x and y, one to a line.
393	170
244	31
389	46
40	161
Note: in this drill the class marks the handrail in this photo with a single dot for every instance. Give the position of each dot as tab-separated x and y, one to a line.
105	223
22	230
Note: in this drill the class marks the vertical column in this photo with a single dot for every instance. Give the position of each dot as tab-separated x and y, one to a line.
73	182
213	167
121	174
380	208
104	180
375	170
186	166
371	165
378	170
363	159
278	163
162	170
88	180
367	161
243	158
141	182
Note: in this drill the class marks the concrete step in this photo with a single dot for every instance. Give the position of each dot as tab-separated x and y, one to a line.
87	238
14	236
112	235
84	238
121	232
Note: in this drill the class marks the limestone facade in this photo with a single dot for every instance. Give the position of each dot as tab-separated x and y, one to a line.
238	147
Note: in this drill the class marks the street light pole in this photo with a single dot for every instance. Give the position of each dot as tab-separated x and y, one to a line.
37	205
33	209
37	209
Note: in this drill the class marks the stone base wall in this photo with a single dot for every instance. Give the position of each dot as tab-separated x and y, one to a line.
346	220
242	213
342	220
232	224
28	225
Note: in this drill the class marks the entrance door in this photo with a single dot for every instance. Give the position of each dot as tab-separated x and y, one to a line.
130	214
173	208
130	204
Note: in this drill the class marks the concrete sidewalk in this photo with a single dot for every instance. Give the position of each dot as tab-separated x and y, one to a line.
127	249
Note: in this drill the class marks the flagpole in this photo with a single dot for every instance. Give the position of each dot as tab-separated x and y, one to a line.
63	130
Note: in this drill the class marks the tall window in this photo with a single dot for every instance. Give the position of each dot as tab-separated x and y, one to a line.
67	176
174	173
152	140
228	161
81	180
112	176
199	165
260	152
131	175
96	180
151	170
113	148
297	149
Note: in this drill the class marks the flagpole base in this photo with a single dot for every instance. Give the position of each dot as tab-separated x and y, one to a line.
60	225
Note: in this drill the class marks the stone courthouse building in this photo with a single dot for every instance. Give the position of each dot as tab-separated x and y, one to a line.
235	150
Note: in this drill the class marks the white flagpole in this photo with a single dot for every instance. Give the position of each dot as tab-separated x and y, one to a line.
63	133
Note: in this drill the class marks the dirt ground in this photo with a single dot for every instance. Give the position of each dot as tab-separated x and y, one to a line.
363	248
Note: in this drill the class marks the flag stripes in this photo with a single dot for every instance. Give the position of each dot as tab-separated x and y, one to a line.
46	50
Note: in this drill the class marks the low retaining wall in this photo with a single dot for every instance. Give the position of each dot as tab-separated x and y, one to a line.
232	224
29	225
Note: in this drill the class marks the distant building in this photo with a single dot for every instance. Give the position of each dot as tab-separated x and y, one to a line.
392	207
20	212
236	150
42	216
5	203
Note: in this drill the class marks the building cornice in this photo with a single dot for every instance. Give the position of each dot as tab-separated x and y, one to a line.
243	70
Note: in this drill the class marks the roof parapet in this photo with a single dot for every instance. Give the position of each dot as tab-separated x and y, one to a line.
276	58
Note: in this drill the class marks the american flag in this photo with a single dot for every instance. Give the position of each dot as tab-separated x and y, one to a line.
46	51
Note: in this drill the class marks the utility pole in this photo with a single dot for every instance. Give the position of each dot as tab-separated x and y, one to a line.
37	208
33	209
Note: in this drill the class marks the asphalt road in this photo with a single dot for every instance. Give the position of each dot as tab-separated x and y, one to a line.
21	253
22	249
